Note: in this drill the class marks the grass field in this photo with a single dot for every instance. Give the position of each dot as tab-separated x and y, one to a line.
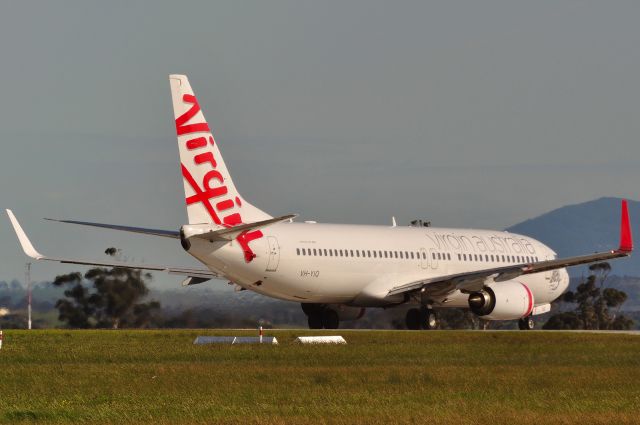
459	377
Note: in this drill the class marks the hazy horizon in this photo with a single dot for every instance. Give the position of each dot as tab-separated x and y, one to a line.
467	114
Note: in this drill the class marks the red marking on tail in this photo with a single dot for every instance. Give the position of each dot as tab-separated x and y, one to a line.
224	205
197	143
181	122
626	240
204	196
200	196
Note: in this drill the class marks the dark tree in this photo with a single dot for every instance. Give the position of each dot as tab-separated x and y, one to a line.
594	304
106	298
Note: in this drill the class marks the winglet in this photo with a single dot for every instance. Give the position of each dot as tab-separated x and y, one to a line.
27	247
626	240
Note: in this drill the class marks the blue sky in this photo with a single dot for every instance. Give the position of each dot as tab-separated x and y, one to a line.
478	114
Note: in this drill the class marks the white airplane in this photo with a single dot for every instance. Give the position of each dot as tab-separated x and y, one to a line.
334	270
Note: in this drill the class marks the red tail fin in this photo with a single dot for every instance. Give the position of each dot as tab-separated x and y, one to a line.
626	240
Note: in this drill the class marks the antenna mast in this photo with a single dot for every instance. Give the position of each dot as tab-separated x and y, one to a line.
27	275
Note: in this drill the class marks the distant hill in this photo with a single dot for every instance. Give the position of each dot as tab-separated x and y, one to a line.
584	228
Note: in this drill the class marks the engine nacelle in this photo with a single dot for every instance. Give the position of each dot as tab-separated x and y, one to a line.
502	301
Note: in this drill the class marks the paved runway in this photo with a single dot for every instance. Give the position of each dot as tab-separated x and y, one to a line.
337	331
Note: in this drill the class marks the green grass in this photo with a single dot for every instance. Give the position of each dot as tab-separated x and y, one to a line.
123	377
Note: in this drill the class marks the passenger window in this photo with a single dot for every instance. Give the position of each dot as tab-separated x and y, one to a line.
375	255
297	251
448	256
412	255
433	255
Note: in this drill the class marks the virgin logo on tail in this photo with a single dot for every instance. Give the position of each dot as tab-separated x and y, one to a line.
212	187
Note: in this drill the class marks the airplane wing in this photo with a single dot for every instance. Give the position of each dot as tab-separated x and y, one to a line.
476	280
156	232
28	248
222	234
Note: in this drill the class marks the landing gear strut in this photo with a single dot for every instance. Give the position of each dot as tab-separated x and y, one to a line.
526	323
421	318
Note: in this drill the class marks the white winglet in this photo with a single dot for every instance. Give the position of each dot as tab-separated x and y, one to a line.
27	247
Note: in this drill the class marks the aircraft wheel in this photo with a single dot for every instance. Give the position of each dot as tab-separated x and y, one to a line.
330	319
413	319
428	319
526	323
315	321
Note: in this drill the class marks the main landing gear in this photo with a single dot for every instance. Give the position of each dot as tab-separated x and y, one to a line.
320	317
526	323
421	318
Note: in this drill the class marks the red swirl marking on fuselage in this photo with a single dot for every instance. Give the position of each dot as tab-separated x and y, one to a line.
205	193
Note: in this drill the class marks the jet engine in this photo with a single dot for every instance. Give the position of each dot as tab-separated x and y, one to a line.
502	301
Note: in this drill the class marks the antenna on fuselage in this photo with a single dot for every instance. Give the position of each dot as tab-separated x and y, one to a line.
393	222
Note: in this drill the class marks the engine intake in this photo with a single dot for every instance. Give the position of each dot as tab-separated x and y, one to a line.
502	301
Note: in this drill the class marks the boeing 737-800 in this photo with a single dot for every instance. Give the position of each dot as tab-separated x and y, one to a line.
336	271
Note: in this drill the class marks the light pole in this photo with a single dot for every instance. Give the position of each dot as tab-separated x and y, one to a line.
27	275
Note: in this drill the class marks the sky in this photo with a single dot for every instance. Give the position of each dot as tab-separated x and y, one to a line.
466	113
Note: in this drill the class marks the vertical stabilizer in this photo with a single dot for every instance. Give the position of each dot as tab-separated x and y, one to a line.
210	194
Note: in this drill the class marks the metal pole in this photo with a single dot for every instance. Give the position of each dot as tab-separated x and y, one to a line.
28	279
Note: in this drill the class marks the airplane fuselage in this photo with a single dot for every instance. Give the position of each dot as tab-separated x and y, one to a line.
337	263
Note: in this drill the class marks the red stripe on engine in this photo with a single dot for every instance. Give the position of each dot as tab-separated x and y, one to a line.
530	297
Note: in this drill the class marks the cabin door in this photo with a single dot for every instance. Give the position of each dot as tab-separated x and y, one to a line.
274	254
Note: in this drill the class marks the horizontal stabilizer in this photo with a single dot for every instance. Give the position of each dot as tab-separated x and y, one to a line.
230	233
